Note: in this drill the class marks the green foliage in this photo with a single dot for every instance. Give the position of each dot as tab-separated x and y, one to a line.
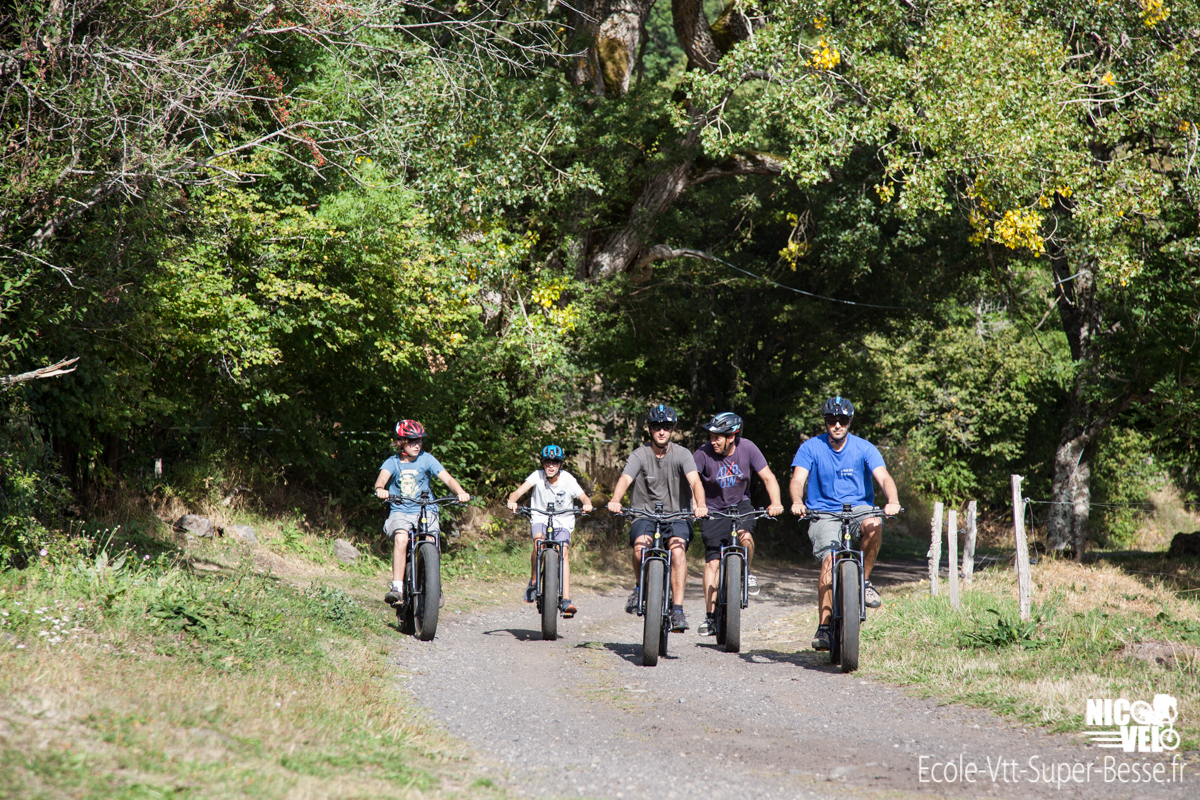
33	496
1005	633
1126	475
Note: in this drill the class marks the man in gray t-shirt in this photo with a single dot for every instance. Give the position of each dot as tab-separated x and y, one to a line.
661	472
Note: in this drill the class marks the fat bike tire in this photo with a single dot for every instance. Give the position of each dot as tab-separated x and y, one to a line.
550	593
849	585
429	591
731	625
652	622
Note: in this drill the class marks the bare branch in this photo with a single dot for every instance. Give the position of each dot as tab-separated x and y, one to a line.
52	371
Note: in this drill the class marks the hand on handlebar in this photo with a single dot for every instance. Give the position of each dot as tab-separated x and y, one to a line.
775	509
587	508
512	506
700	512
381	493
799	510
614	506
463	497
892	509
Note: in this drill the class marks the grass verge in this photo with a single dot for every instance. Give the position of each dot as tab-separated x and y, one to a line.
131	671
1098	631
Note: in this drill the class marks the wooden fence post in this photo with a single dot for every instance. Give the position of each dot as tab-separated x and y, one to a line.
935	549
1024	579
952	554
968	564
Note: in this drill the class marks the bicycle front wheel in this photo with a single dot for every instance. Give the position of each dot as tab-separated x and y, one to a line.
731	596
849	587
428	572
652	622
550	593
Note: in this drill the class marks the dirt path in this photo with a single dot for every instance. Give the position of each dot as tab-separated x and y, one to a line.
579	717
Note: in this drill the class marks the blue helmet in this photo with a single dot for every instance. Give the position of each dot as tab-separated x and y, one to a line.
552	452
837	406
661	414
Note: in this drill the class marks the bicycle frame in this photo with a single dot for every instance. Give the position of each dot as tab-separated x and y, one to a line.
656	552
419	535
735	548
546	543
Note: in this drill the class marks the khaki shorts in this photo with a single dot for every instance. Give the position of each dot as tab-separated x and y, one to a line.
825	531
404	522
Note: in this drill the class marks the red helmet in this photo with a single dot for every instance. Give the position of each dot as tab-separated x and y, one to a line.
410	429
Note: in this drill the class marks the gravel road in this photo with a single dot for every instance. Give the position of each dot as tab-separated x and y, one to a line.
579	717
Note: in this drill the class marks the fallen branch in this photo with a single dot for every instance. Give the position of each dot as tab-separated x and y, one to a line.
52	371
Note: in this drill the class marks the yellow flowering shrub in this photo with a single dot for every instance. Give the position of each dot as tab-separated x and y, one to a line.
1154	12
825	56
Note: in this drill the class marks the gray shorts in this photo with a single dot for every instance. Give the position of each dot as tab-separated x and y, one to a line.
825	531
404	522
538	529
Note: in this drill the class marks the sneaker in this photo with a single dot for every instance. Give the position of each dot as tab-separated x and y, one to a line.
708	627
567	608
530	593
678	621
873	598
821	639
751	585
395	593
631	605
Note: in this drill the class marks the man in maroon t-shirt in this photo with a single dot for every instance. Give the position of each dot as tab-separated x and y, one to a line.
725	465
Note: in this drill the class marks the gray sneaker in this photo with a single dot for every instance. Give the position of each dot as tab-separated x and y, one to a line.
822	639
631	605
708	627
678	621
751	585
873	598
395	594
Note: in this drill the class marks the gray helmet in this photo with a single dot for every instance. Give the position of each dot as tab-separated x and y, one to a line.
726	422
837	406
662	415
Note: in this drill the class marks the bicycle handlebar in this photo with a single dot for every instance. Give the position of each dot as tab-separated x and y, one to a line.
418	501
874	511
757	513
526	511
666	516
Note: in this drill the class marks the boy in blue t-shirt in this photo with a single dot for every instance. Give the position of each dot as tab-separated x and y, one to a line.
407	474
828	471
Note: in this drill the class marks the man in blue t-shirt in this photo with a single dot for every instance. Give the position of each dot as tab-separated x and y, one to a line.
407	474
828	471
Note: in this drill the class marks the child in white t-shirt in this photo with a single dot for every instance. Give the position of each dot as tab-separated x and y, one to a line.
551	484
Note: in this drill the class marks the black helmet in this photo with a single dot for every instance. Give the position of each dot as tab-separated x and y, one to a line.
727	422
837	406
663	415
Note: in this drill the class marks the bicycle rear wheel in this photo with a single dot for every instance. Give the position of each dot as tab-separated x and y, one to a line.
849	587
652	625
429	590
731	625
550	593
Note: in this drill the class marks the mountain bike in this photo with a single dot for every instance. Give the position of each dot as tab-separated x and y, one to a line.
417	612
849	587
732	591
654	584
548	586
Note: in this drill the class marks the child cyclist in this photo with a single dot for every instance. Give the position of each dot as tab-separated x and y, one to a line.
407	474
551	484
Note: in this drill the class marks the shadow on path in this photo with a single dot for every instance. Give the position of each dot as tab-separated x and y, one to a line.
520	634
809	659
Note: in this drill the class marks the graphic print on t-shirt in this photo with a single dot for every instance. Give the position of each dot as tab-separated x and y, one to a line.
408	482
728	475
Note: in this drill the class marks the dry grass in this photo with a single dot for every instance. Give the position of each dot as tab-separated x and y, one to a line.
1090	617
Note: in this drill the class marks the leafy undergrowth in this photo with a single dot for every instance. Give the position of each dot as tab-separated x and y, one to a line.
1096	632
126	673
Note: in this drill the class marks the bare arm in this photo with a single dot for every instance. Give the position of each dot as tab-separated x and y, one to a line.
699	509
799	480
517	493
768	479
884	479
623	484
444	477
381	483
587	502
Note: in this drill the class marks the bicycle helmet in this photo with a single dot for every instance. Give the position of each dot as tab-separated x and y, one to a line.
410	429
661	414
552	452
837	406
727	422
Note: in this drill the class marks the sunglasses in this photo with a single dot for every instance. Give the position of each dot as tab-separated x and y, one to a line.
844	421
659	426
548	461
413	441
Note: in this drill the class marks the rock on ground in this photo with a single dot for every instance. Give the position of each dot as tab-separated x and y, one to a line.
196	525
240	533
345	552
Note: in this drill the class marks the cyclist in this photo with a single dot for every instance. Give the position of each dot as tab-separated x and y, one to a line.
835	468
661	472
551	484
407	474
725	464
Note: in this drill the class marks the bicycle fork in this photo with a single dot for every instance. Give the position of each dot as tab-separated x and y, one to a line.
649	555
735	549
857	557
